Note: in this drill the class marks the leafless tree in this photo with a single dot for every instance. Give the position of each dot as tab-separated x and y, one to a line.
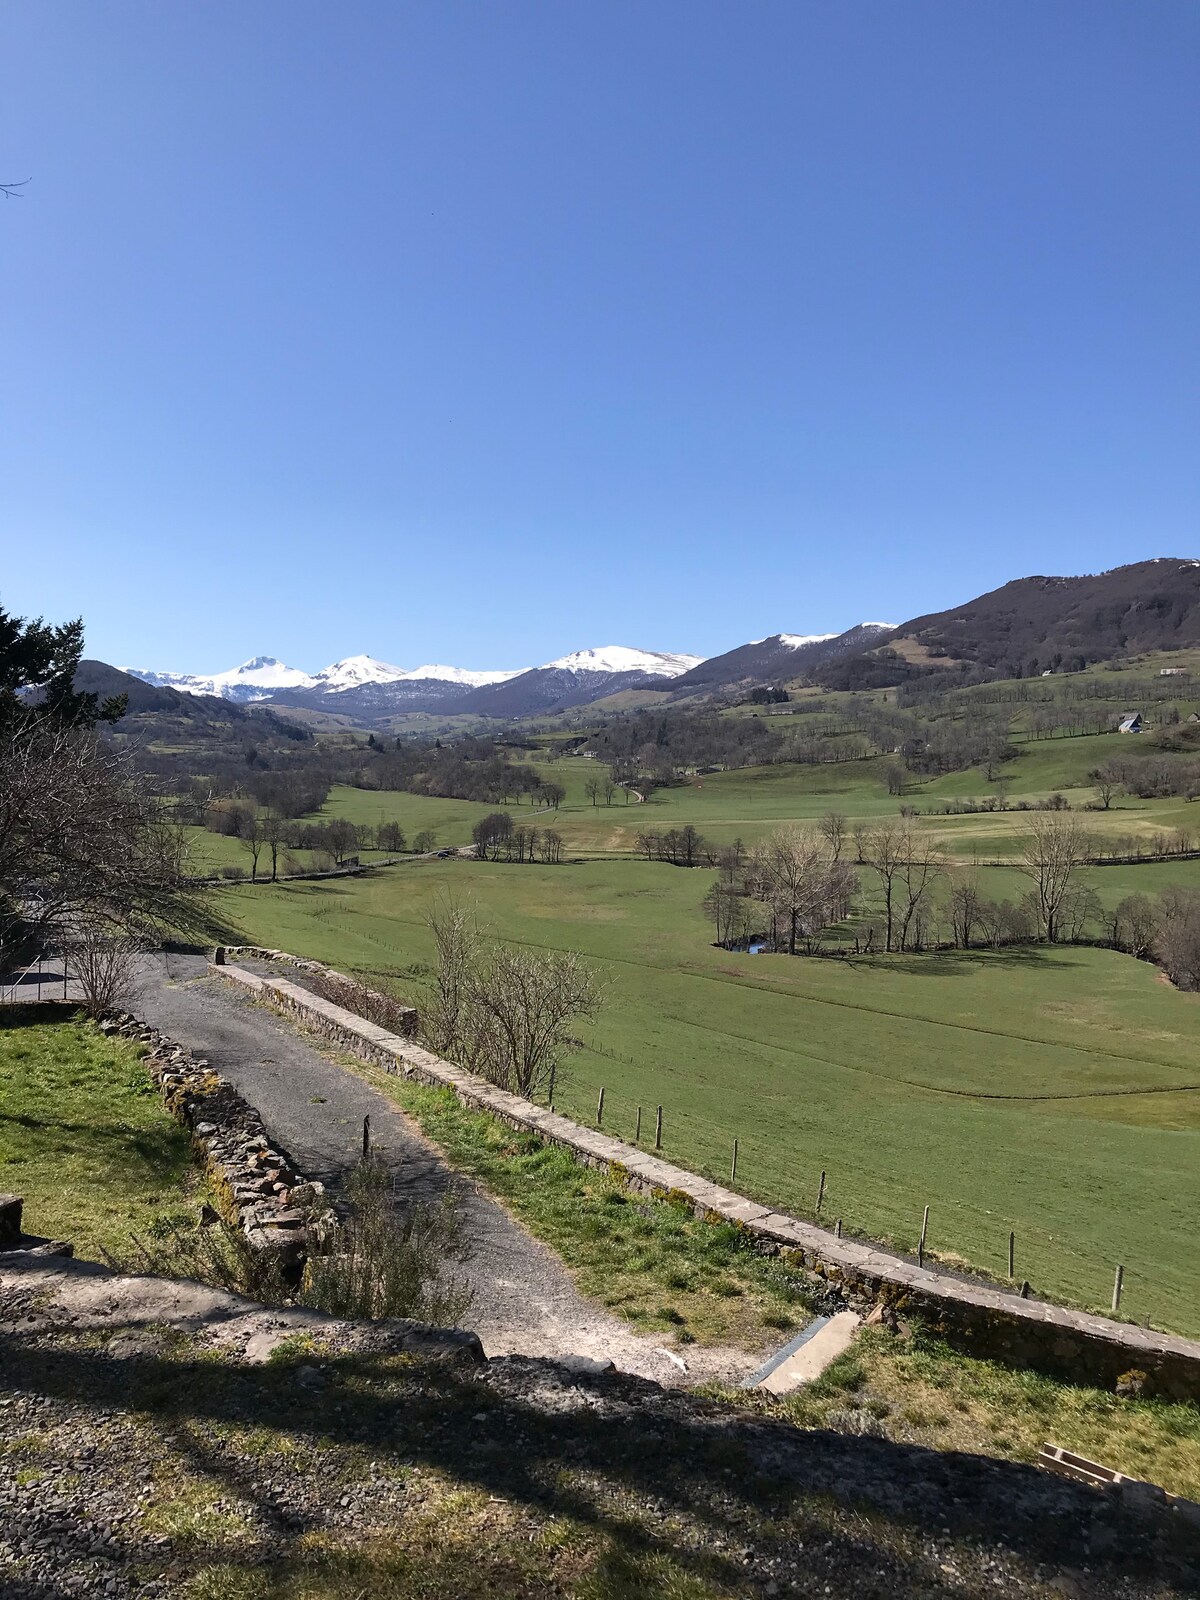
274	832
965	910
724	904
105	966
833	831
1177	944
250	832
1107	780
920	870
592	789
792	873
84	840
884	848
505	1011
1053	849
1134	925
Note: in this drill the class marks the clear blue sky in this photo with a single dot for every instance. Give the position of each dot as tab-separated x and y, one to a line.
479	332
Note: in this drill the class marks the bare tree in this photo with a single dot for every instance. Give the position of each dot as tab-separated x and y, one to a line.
505	1012
1107	780
83	838
105	966
884	849
1053	849
966	909
724	904
530	1002
1177	944
251	835
923	865
274	832
792	873
592	789
833	831
491	834
1134	925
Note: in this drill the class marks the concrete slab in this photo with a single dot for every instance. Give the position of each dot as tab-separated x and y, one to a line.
812	1357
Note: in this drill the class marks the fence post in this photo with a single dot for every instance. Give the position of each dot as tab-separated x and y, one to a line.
820	1193
733	1164
921	1244
1118	1282
658	1130
600	1108
366	1137
550	1091
837	1229
1012	1255
637	1132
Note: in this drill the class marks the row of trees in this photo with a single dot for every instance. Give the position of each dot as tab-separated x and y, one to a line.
800	878
497	838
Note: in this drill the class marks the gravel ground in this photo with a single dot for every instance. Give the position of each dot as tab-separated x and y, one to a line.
525	1302
136	1463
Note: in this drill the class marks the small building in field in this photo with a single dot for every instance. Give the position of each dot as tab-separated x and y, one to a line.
1131	723
1195	717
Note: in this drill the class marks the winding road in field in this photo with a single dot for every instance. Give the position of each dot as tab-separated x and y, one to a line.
525	1301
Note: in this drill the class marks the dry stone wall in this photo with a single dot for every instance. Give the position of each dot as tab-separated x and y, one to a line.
973	1316
257	1187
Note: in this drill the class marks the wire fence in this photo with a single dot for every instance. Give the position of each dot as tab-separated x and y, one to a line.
996	1244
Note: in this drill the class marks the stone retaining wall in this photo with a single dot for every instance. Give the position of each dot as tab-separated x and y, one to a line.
257	1188
974	1317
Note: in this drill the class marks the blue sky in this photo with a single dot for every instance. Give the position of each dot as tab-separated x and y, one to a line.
479	332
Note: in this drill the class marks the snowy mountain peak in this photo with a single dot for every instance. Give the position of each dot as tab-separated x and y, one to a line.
352	671
476	680
255	679
796	641
620	658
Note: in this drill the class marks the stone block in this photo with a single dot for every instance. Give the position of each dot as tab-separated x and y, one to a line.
10	1221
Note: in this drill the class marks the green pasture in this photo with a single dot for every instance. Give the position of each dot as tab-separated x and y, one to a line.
752	801
84	1135
1052	1091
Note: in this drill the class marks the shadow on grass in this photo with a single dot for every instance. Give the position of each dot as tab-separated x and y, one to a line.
671	1494
962	963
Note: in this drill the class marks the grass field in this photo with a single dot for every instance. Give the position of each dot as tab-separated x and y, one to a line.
1052	1091
85	1137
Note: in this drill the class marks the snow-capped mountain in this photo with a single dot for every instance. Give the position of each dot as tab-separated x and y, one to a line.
796	641
576	680
620	658
263	677
352	672
475	680
779	656
256	679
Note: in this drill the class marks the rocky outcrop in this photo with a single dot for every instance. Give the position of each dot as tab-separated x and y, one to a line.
257	1186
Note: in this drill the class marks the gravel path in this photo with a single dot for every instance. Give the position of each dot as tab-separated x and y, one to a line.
525	1302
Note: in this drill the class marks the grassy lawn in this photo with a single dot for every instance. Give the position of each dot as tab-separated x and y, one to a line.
653	1264
1055	1092
85	1137
922	1392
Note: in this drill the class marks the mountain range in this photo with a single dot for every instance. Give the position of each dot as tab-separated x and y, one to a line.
365	689
1034	624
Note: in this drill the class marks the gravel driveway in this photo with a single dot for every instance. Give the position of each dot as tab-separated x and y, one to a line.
525	1301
